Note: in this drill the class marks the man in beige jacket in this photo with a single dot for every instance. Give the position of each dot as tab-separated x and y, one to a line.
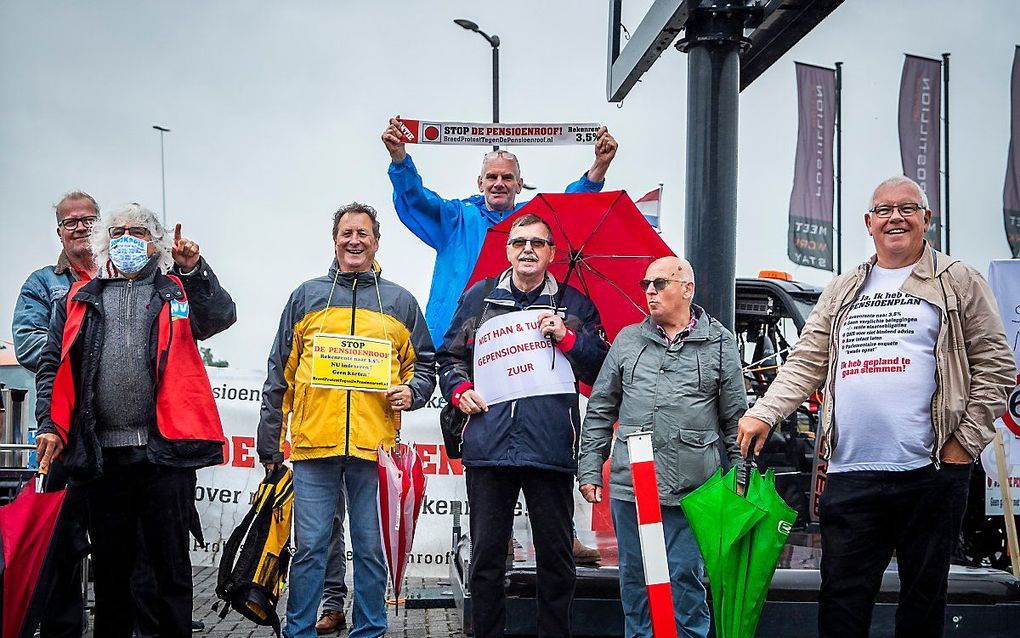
916	367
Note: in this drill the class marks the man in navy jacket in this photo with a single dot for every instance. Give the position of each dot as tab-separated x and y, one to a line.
528	440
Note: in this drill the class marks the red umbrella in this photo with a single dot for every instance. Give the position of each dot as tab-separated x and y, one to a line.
603	247
26	530
401	492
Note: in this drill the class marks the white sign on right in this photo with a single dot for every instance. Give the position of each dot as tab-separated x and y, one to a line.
1004	278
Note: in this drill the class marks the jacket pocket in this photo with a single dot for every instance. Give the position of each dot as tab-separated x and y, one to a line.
319	418
696	459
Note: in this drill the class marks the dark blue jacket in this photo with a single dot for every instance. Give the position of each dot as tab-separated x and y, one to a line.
541	431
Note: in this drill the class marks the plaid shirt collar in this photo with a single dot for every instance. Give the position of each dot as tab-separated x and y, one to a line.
683	334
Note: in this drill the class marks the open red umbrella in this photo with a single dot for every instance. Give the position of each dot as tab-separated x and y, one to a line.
603	247
401	492
26	532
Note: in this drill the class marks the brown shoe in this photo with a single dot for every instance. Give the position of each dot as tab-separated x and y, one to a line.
584	555
331	622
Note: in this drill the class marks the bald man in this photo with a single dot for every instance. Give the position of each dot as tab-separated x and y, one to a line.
675	374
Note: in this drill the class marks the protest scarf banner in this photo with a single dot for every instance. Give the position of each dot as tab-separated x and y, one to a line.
810	232
481	134
920	132
346	362
512	359
1004	278
1011	189
224	492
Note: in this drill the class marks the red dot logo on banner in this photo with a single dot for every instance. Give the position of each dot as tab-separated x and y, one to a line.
1012	415
432	133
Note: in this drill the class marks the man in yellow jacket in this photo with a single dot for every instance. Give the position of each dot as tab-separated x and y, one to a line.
351	353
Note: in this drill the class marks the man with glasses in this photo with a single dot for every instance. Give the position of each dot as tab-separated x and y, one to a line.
77	212
523	420
123	397
455	228
916	368
675	374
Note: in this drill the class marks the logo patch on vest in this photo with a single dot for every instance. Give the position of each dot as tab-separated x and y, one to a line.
178	309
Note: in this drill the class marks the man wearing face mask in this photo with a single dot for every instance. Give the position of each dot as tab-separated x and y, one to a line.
123	394
77	212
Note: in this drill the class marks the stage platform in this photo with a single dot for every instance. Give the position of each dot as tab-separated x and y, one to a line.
982	602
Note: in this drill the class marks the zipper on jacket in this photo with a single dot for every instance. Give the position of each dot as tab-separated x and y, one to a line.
933	406
354	312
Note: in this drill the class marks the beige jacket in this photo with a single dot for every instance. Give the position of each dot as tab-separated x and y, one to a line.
975	369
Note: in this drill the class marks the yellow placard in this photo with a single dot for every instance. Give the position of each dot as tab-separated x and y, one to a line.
346	362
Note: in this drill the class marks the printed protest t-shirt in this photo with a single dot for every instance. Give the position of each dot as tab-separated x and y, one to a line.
885	378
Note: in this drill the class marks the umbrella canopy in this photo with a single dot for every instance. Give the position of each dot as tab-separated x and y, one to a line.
26	530
401	492
603	247
740	538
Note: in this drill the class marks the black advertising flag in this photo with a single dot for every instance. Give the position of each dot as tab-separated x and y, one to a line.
1011	189
920	132
810	232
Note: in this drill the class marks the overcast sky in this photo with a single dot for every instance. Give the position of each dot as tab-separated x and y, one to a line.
276	110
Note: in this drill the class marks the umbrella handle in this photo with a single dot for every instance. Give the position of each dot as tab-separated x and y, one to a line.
40	481
744	475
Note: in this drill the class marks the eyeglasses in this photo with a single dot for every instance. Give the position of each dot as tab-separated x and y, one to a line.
135	231
660	283
536	242
886	210
72	223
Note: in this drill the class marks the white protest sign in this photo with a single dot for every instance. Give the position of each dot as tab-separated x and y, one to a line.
512	360
1004	278
477	134
224	492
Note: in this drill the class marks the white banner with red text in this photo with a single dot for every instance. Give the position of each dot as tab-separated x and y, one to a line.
224	492
480	134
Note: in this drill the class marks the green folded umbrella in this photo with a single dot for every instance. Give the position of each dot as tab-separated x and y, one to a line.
740	538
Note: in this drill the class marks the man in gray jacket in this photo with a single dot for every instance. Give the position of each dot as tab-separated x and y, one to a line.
677	375
916	367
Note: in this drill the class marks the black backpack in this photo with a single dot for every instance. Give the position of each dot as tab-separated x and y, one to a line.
253	567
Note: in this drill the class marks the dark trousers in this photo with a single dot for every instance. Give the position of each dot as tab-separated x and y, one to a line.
492	496
157	500
63	611
865	517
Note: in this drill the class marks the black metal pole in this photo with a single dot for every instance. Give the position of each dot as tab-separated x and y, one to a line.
713	42
494	41
839	167
945	145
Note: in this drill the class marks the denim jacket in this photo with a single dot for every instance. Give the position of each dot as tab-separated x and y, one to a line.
32	312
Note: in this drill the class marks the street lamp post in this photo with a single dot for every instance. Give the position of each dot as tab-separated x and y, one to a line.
162	166
493	41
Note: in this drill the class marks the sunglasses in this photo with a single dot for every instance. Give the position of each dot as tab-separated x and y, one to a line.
660	283
536	242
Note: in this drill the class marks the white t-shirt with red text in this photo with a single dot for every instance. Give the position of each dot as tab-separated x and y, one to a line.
885	378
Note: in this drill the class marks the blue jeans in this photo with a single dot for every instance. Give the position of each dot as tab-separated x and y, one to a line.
317	485
686	568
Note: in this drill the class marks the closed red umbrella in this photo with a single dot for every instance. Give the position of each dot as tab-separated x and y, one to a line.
603	247
401	492
26	532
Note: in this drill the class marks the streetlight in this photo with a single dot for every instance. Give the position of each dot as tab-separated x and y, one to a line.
162	166
493	41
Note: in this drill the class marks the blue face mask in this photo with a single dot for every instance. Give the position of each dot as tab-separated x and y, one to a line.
129	254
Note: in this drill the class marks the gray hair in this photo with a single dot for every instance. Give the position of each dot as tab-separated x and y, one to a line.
130	215
501	154
899	180
74	196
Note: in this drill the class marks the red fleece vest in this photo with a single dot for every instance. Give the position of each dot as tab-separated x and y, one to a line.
185	408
